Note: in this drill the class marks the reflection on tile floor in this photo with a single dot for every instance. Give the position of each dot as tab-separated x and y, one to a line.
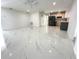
37	43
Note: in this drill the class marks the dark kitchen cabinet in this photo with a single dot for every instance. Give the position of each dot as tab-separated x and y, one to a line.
64	26
52	21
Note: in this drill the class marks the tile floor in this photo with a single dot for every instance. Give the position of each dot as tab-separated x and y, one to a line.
37	43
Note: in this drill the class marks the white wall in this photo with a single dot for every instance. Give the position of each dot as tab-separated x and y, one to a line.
12	19
35	19
72	14
2	41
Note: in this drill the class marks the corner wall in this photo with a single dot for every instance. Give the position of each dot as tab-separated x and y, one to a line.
72	14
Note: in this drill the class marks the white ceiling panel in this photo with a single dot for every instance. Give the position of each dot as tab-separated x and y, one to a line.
37	5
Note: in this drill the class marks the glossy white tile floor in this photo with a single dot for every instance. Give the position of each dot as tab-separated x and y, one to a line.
37	43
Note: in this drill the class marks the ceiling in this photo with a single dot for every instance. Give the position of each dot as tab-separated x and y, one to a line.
37	5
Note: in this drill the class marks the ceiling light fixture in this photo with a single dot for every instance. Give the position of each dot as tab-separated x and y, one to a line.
51	11
28	10
50	51
10	54
54	3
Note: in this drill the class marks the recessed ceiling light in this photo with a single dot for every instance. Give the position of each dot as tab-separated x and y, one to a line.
50	51
51	11
10	54
28	10
54	3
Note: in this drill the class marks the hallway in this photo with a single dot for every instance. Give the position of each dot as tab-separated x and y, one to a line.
37	43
